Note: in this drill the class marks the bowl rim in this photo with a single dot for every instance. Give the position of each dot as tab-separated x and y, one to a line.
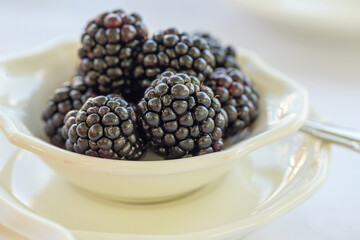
47	150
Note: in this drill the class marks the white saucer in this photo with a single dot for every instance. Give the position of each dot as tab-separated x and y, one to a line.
261	188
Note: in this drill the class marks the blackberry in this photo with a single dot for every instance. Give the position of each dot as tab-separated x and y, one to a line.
69	120
238	96
104	127
225	56
181	117
109	46
70	96
171	50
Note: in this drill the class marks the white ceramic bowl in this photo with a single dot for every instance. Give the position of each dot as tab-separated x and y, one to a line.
28	80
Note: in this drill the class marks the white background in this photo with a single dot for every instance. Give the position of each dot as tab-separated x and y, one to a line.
327	63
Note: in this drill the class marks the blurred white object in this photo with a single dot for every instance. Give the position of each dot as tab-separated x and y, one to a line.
24	223
342	16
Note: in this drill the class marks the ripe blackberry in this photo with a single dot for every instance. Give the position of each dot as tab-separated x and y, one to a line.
181	117
70	96
69	120
171	50
238	96
225	56
104	127
109	46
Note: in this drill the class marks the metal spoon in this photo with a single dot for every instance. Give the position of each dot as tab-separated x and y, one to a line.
346	137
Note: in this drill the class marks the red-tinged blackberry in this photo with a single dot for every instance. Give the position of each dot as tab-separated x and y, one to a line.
70	96
104	127
225	56
171	50
181	117
109	46
238	96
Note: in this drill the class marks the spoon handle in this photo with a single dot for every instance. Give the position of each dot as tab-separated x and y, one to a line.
336	134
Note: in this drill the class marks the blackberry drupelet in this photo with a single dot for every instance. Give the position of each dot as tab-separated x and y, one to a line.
70	96
104	127
171	50
238	96
181	117
225	56
109	46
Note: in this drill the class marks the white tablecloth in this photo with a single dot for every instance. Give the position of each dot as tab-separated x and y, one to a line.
327	64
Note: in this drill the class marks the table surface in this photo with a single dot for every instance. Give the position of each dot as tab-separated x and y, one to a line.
326	63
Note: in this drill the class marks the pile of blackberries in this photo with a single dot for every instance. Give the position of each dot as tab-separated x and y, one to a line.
180	94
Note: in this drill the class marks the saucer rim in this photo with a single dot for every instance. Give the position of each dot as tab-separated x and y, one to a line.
220	232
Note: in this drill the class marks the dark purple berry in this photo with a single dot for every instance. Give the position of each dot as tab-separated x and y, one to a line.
70	96
176	116
109	48
171	50
238	96
225	56
105	126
